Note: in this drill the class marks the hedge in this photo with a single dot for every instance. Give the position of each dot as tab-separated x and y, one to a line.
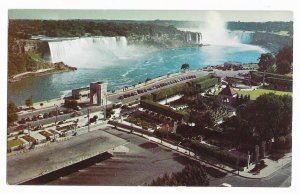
259	75
275	81
147	97
169	91
203	78
207	83
221	155
147	104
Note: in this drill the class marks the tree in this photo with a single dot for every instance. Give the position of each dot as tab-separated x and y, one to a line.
93	119
191	175
238	130
283	67
185	66
202	120
29	101
148	79
270	115
285	53
11	113
266	61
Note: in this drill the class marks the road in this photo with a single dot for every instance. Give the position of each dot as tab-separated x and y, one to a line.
280	178
113	98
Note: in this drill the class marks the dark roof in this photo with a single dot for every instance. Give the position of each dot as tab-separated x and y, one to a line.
228	91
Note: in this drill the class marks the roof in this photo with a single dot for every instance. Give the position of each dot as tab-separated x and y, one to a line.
228	91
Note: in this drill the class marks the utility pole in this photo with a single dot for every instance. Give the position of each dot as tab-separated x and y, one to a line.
88	119
238	160
56	114
28	129
166	100
105	104
105	107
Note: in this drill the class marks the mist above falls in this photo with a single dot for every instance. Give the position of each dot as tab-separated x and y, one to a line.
93	52
215	32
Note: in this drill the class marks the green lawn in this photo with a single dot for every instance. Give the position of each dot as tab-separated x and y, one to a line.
14	142
256	93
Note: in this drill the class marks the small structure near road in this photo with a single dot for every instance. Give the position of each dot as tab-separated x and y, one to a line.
95	94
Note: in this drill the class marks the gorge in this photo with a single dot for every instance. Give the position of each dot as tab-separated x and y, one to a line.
123	58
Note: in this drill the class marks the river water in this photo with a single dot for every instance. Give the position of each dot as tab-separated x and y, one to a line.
125	71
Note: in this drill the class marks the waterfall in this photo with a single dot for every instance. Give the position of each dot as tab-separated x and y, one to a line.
79	51
244	37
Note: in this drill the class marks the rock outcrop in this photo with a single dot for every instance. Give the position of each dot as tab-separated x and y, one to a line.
272	42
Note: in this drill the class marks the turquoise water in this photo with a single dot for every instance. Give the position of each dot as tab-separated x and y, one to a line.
130	71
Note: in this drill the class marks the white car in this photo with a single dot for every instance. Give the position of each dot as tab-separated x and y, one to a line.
225	185
78	108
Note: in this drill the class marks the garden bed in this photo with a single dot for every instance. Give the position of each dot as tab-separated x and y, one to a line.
140	122
14	142
29	138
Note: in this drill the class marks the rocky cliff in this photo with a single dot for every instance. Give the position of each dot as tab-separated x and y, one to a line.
272	42
29	57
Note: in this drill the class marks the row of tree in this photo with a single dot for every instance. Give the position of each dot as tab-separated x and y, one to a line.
262	26
23	29
283	61
241	99
12	110
270	116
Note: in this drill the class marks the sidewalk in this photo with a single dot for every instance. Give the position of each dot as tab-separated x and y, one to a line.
272	166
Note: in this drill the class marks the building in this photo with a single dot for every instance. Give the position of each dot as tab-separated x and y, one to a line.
95	94
80	92
98	92
232	65
227	95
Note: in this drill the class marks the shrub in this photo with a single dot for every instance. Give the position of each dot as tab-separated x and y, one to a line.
147	104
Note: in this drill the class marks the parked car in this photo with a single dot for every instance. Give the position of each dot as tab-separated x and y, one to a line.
34	118
46	115
22	121
40	116
225	185
60	122
78	108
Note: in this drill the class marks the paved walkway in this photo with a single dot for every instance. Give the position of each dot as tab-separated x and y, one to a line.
272	166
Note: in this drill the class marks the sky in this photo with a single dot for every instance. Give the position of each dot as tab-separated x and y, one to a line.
189	15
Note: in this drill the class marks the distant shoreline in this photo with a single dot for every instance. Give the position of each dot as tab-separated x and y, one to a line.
41	72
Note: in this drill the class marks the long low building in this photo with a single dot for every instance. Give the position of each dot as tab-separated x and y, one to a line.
38	162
